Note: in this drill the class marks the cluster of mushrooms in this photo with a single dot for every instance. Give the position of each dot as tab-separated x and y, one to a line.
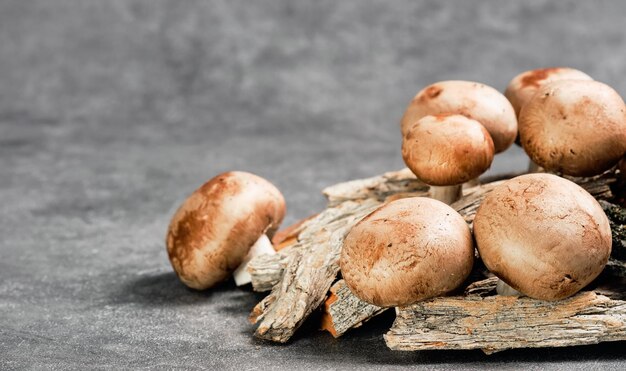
544	236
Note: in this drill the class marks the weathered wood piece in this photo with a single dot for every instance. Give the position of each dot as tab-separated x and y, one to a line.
343	310
309	273
267	270
394	183
496	323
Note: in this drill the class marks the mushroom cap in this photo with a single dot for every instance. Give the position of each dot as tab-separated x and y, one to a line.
471	99
523	86
447	149
212	231
543	235
405	251
576	127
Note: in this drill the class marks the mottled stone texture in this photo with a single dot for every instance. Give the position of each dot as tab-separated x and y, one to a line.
111	112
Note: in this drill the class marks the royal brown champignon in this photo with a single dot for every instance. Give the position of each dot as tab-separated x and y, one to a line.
523	86
446	151
574	127
212	232
470	99
406	251
543	235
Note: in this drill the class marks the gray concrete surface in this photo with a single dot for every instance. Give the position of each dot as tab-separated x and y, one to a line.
111	112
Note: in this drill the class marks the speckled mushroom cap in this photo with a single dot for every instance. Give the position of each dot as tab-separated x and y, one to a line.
405	251
543	235
471	99
447	150
212	231
575	127
523	86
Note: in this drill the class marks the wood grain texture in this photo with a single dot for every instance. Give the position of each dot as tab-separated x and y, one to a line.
496	323
343	310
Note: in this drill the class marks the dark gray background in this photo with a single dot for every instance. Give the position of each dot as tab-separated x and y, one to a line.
111	112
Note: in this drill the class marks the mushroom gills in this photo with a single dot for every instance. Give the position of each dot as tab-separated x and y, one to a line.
263	246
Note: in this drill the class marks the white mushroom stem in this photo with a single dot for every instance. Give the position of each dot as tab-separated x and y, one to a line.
502	288
263	246
533	167
447	194
471	183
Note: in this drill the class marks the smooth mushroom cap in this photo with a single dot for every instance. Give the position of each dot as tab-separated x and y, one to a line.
212	231
523	86
447	150
470	99
543	235
405	251
575	127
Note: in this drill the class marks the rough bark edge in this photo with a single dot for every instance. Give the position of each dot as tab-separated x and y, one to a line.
343	310
308	275
497	323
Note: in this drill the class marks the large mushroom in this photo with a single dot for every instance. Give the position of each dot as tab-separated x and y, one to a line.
446	151
215	228
523	86
405	251
574	127
470	99
543	235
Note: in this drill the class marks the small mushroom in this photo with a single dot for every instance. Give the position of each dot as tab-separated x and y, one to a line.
445	151
543	235
574	127
470	99
523	86
212	232
405	251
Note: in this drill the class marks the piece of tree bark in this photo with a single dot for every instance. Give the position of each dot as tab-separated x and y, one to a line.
496	323
288	236
312	263
343	310
309	272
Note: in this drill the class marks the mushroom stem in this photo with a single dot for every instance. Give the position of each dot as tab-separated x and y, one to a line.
471	183
261	247
502	288
533	167
446	194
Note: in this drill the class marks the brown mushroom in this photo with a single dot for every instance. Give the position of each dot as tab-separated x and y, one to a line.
405	251
543	235
523	86
215	227
470	99
574	127
445	151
